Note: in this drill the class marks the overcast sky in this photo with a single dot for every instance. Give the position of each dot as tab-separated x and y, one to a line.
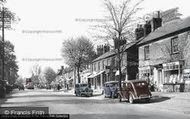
59	19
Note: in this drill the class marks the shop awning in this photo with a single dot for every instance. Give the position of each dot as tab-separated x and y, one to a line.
123	69
172	66
94	74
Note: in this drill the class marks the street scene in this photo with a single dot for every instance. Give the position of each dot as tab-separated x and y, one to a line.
100	59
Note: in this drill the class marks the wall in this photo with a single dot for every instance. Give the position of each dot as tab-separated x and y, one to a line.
160	51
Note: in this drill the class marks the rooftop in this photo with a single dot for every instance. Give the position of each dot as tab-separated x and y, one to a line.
168	29
113	52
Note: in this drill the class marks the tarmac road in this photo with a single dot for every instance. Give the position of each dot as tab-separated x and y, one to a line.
96	107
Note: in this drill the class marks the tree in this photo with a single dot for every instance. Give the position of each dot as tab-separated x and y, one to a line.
78	53
19	80
36	72
183	49
8	66
11	67
49	74
118	26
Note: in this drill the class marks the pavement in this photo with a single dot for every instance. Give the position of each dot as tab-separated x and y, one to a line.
174	101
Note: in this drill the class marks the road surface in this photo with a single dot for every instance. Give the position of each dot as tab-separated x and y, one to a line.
96	107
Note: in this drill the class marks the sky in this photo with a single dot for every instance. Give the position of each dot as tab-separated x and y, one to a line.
58	20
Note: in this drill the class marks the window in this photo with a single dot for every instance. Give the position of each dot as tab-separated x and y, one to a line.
174	45
108	62
103	64
94	66
146	53
98	66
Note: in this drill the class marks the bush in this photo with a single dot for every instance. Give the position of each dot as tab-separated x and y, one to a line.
8	88
2	91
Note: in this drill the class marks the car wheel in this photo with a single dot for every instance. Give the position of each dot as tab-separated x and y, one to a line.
131	100
148	100
120	98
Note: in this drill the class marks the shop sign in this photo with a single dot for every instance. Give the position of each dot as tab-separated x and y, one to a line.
171	66
186	74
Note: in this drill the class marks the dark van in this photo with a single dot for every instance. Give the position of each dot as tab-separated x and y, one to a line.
83	89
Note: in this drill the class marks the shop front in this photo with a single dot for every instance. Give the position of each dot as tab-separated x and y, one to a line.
96	79
146	73
172	74
186	78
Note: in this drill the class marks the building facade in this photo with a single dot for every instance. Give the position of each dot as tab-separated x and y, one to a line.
164	56
105	67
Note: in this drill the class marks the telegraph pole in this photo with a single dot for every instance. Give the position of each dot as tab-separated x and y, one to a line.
3	42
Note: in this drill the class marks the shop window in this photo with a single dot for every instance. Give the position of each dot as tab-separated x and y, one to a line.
146	52
174	45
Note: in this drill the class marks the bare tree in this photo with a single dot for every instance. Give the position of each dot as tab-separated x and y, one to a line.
36	72
183	48
118	26
78	52
49	74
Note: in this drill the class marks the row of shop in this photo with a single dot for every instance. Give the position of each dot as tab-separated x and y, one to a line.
97	79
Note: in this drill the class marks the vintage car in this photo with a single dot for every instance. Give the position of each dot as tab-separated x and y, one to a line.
20	86
83	89
30	85
111	89
134	90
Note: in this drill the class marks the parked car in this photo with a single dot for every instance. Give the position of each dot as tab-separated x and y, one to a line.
111	89
134	90
83	89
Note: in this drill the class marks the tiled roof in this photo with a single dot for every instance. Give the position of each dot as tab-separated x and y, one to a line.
167	30
112	52
105	55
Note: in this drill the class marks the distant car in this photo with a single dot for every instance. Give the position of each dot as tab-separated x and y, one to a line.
21	87
30	86
134	90
48	86
111	89
83	89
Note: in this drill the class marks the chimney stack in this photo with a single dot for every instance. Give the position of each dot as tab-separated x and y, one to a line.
156	22
139	32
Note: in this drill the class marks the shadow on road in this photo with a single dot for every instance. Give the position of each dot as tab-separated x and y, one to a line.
3	100
155	99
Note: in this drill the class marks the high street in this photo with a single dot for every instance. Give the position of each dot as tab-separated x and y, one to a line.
96	107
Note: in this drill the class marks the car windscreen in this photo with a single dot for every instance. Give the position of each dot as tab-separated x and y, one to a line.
140	84
84	85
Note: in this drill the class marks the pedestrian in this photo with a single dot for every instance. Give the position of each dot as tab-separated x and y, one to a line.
58	87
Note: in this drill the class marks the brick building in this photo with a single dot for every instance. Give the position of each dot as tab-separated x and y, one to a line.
164	54
104	68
